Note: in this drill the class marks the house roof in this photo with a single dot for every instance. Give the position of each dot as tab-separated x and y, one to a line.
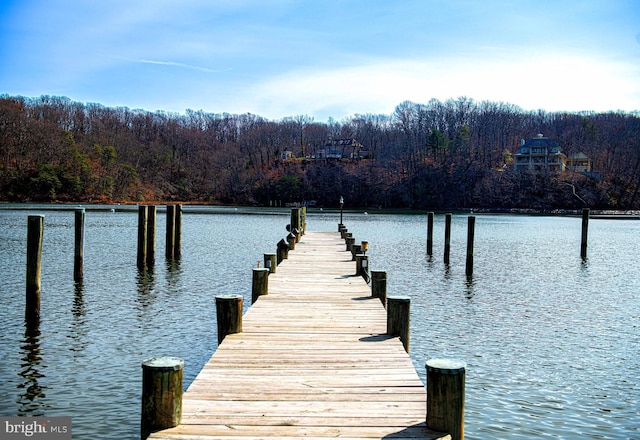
540	141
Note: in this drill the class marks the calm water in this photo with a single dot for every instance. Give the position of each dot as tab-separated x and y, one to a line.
551	342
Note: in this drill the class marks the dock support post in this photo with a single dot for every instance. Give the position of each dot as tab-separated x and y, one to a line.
143	215
447	237
228	315
291	240
170	236
585	229
355	250
151	236
362	266
270	262
470	237
445	396
398	318
430	234
161	394
260	285
177	233
283	250
35	232
379	285
78	252
350	241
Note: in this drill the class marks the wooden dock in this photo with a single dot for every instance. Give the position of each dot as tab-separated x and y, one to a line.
313	361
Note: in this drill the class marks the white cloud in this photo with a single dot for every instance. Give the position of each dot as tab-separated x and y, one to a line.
555	82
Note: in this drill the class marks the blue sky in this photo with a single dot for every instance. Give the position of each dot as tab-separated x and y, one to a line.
324	58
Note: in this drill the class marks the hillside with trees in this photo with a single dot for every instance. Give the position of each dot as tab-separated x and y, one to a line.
438	155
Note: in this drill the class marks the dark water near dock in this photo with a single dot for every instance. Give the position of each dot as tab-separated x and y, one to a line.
551	342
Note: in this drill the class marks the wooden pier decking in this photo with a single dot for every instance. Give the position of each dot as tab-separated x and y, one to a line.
313	361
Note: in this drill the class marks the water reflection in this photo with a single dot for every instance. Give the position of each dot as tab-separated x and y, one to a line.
32	393
78	330
145	284
469	287
78	309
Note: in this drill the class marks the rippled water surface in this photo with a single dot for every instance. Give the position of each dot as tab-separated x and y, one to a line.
551	342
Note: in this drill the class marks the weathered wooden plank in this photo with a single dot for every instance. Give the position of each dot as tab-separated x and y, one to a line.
313	361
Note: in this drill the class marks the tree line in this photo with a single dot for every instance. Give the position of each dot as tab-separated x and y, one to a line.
439	155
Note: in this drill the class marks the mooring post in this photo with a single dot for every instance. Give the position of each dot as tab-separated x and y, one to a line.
398	318
151	236
296	232
430	234
161	394
447	237
362	266
270	262
585	229
260	284
177	239
143	215
228	315
283	250
471	225
291	241
78	249
170	235
445	396
295	220
355	250
379	285
35	232
350	241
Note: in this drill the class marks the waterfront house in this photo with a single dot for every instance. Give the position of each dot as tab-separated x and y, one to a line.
539	154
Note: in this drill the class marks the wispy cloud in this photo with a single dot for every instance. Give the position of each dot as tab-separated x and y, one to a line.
181	65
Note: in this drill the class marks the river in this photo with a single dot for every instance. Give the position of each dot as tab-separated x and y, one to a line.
551	341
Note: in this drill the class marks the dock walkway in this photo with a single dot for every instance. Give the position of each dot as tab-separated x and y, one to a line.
313	361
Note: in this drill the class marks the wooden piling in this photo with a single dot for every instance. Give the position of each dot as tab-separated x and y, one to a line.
78	249
585	230
379	285
430	234
35	232
355	250
143	216
177	239
295	219
470	237
291	241
151	236
362	266
170	234
350	241
447	237
445	396
283	250
270	262
398	318
228	315
161	394
260	285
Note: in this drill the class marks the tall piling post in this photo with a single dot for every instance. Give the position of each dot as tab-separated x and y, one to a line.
143	216
161	394
447	237
177	239
78	248
585	230
228	315
471	225
399	318
151	236
35	233
445	396
430	234
170	235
